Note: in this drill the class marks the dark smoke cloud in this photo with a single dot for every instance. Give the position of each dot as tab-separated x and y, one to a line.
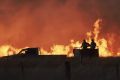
47	22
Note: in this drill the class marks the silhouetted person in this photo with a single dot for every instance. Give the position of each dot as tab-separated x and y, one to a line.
85	44
93	44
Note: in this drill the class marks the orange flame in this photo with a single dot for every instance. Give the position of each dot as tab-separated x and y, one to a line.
102	44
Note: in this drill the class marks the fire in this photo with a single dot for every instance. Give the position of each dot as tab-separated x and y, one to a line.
6	50
60	50
102	44
97	29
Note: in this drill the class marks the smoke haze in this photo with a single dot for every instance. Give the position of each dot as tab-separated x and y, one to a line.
47	22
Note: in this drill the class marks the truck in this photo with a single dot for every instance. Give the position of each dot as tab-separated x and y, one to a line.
30	51
86	52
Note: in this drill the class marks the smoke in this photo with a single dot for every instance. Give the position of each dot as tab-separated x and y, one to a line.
47	22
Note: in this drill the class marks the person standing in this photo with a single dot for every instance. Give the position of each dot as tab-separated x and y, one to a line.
85	45
93	44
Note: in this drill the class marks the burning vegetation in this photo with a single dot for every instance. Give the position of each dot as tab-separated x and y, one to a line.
102	45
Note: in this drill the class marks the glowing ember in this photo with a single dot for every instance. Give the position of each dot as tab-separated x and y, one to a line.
102	44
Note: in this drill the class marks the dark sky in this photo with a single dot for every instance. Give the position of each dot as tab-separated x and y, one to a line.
47	22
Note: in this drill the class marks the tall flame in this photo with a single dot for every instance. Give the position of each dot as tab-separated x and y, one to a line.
97	29
102	44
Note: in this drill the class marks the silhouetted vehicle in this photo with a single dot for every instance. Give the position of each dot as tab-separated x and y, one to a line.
26	52
86	52
30	51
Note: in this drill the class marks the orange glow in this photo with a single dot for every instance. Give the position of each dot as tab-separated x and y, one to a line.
102	44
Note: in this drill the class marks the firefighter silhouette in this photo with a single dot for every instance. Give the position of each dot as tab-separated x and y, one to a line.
85	45
93	44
